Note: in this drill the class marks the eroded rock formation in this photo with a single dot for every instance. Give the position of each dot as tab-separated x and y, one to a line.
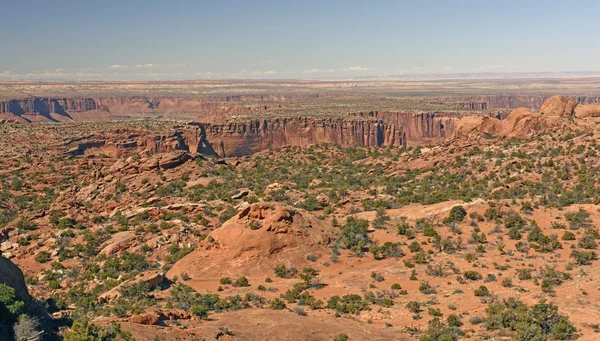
523	122
238	139
248	137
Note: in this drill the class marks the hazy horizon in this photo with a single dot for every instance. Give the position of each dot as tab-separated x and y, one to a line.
186	40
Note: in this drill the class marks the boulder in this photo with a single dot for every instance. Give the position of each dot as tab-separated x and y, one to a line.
167	160
119	242
240	193
148	318
153	316
587	110
7	245
558	105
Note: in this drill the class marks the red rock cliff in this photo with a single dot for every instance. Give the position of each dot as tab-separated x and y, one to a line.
245	138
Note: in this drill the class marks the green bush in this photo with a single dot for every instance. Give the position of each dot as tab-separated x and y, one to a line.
584	257
539	322
82	330
241	282
42	257
277	304
482	291
472	275
341	337
568	235
457	214
414	307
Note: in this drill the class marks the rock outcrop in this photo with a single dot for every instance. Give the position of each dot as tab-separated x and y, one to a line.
127	140
558	105
522	122
166	161
245	138
587	110
11	275
372	129
153	316
255	240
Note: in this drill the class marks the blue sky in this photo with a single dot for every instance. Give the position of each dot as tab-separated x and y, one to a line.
127	40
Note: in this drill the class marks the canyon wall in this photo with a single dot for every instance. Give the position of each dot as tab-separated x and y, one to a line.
125	141
49	109
245	138
371	130
249	137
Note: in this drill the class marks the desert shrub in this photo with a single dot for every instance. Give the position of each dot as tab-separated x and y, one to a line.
514	233
10	309
414	307
348	304
457	214
540	242
355	234
282	271
42	257
588	240
415	247
578	219
341	337
254	225
308	275
475	320
472	275
507	283
227	214
492	212
176	253
514	221
381	219
426	288
421	258
387	250
25	225
584	257
538	322
241	282
453	321
524	274
277	304
482	291
436	270
551	277
83	330
377	276
434	311
437	331
568	235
